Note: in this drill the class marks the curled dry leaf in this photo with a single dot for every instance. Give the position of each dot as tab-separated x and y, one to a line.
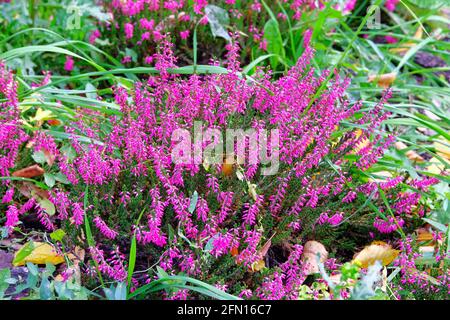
29	172
411	154
383	80
228	166
309	256
29	190
377	251
42	253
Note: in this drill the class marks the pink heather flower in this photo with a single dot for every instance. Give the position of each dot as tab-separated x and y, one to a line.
336	218
12	217
349	6
390	39
113	266
68	65
94	35
8	196
104	229
148	60
391	4
230	2
199	5
263	45
147	24
44	218
27	206
351	195
77	213
126	59
145	36
184	34
129	29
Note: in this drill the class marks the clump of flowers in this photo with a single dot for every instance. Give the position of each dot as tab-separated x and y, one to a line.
125	181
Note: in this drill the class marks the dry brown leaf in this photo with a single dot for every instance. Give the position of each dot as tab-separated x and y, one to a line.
29	190
29	172
309	256
377	251
77	257
424	234
411	154
383	80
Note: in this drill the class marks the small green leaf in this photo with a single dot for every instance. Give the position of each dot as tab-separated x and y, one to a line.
39	157
57	235
193	202
60	177
49	179
48	206
32	268
24	252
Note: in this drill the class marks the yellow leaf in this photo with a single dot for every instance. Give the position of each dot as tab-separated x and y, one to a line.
42	253
442	148
384	174
383	80
258	265
435	166
42	115
377	251
408	45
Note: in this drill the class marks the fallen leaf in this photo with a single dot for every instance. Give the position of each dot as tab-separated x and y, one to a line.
309	256
435	166
258	265
408	45
383	174
377	251
228	166
29	172
49	157
383	80
410	154
29	190
54	122
76	258
442	148
41	253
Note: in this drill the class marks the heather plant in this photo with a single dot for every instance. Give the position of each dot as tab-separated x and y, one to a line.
146	217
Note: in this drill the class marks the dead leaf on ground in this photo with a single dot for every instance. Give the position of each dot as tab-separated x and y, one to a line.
383	80
42	253
442	148
403	49
411	154
436	167
377	251
309	256
29	172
